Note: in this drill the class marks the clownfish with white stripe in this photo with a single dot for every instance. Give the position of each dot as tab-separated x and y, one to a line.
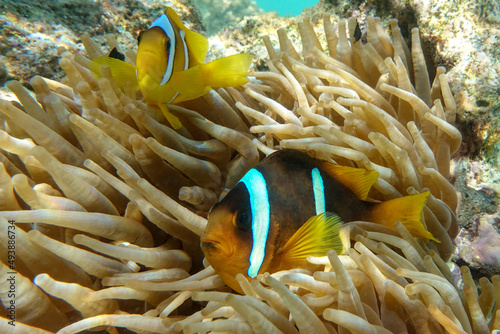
170	67
292	206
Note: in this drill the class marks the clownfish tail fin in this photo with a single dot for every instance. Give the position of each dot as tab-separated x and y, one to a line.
407	210
228	71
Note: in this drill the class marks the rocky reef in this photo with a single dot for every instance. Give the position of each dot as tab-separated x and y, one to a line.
218	14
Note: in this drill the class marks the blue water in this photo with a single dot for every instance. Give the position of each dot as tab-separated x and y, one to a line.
284	8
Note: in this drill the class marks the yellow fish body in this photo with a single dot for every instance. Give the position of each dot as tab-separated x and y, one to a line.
291	206
170	66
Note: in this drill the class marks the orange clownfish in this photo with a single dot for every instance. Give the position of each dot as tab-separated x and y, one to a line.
291	206
170	67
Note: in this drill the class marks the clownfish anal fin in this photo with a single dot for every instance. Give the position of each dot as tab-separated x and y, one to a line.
316	237
171	118
357	180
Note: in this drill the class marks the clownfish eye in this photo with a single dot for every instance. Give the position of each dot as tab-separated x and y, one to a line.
243	220
167	45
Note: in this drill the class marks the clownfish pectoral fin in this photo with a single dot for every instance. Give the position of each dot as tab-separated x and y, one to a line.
357	180
197	44
189	84
407	210
316	237
229	71
120	70
171	118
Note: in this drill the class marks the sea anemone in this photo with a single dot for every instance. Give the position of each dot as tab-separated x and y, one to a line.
108	202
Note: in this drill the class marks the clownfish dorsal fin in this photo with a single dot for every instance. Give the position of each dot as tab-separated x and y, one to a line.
315	238
357	180
197	44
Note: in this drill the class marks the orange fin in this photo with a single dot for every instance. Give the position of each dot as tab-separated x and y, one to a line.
407	210
197	44
120	70
315	238
229	71
189	83
357	180
171	118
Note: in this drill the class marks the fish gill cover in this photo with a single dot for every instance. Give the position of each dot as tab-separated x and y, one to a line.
86	200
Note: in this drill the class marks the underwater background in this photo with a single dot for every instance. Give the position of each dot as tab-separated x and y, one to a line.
284	8
462	36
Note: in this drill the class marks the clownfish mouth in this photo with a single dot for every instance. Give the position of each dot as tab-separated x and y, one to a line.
210	245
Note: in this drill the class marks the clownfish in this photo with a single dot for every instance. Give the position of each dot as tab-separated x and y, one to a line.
291	206
170	67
